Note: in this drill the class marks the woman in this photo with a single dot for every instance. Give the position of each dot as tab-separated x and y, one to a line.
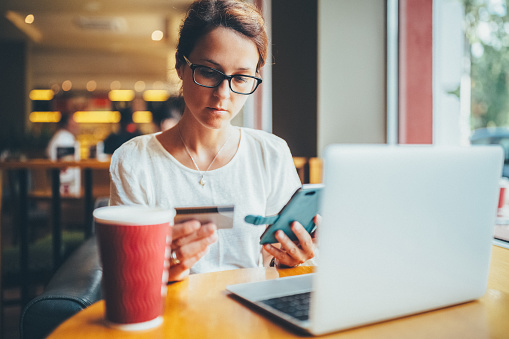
204	160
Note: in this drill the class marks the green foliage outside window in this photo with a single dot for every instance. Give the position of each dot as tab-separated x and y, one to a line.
487	32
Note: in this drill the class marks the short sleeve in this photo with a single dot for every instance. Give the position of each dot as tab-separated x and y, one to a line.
125	188
284	177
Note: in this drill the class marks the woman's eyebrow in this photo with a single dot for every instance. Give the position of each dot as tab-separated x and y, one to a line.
219	65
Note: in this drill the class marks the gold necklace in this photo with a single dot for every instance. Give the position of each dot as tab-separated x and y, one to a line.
202	181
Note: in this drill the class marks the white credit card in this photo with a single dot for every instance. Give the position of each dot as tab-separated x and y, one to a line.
222	216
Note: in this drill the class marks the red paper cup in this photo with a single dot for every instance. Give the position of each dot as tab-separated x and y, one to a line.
504	184
132	242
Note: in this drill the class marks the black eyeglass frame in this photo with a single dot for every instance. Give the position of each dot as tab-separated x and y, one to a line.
227	77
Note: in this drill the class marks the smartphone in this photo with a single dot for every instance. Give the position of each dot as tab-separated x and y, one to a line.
302	207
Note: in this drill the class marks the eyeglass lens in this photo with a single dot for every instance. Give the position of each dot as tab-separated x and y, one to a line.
209	77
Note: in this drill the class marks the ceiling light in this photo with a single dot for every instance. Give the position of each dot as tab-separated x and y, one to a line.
19	21
29	18
91	85
139	86
41	94
142	117
157	35
121	95
44	117
156	95
66	85
96	117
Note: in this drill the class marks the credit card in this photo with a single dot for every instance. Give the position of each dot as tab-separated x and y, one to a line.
222	216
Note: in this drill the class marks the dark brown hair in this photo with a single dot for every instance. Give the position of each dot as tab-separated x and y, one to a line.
205	15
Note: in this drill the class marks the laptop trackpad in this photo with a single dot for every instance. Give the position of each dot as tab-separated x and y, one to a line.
262	290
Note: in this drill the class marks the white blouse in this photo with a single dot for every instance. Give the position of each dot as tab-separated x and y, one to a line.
260	179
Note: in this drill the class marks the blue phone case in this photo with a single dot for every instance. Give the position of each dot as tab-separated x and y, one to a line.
302	207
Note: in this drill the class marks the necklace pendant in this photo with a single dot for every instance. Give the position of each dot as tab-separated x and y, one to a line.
202	181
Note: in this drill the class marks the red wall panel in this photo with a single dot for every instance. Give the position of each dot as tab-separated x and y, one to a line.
415	72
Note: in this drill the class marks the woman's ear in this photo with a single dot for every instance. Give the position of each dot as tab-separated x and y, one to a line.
180	71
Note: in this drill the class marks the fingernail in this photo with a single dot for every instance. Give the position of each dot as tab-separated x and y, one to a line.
210	227
214	237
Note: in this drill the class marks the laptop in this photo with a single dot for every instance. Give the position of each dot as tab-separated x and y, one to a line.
405	229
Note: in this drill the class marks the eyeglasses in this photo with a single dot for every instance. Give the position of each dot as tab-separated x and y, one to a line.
210	78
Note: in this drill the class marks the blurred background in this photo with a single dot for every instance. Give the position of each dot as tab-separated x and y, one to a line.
89	59
339	71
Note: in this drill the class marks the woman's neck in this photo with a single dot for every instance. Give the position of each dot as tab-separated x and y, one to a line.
199	138
191	144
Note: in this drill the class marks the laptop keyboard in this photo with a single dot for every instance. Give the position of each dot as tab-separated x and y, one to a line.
296	305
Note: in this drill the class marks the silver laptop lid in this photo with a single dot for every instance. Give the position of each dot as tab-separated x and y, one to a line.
405	229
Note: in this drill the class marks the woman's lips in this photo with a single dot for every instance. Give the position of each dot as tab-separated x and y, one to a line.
217	110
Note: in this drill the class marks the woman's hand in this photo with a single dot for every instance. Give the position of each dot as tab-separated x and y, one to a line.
190	241
290	253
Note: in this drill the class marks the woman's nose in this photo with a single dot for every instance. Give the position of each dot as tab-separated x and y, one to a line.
223	89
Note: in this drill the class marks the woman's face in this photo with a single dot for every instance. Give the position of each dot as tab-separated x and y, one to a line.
230	52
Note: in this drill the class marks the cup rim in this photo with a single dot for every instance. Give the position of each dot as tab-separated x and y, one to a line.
133	215
137	326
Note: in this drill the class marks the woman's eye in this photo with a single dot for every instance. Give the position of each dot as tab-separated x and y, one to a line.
241	79
207	73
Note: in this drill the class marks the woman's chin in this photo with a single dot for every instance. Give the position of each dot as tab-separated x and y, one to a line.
217	121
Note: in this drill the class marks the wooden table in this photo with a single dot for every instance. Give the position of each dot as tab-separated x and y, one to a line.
199	307
21	170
